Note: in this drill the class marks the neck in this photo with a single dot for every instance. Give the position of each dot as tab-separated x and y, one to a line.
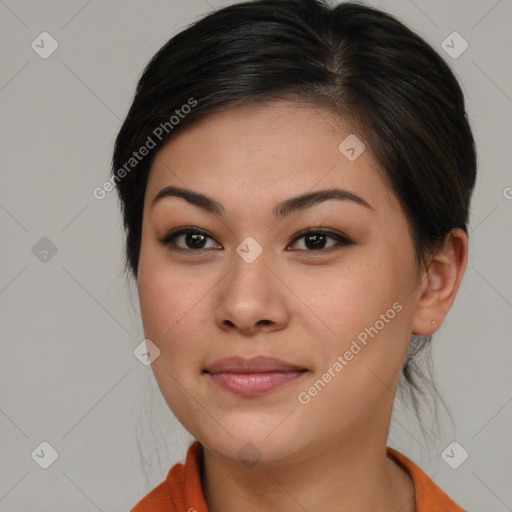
348	476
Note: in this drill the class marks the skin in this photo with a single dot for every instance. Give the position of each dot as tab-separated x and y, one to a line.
292	303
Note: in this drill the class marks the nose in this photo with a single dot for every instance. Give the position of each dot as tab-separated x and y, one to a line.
251	298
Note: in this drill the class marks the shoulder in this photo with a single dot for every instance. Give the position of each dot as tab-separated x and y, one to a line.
180	491
158	499
428	495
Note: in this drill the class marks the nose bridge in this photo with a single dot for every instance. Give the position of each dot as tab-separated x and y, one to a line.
249	278
250	294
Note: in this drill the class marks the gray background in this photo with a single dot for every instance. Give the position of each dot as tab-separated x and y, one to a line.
69	325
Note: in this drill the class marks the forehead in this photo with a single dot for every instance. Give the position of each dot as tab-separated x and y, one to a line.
266	152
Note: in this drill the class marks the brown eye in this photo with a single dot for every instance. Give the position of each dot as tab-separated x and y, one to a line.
317	240
188	239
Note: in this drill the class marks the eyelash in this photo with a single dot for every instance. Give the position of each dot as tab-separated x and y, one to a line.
341	240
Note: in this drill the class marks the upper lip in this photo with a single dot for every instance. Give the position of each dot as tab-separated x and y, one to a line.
258	364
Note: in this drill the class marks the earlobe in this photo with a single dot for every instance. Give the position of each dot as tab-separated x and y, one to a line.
440	283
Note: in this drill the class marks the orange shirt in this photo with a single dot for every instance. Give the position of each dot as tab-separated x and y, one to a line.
181	491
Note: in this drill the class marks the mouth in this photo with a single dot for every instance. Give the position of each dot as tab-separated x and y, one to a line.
252	377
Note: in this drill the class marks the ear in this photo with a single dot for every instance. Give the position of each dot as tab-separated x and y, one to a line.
440	283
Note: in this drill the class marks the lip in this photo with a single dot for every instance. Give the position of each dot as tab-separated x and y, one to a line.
254	376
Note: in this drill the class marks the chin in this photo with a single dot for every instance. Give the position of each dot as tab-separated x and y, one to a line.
250	444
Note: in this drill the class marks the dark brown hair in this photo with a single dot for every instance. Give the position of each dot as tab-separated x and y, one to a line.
357	61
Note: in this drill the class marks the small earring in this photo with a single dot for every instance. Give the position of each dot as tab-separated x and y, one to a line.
433	322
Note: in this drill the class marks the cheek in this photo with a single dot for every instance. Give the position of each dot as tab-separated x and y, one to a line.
171	322
165	292
365	309
358	363
351	297
173	314
171	309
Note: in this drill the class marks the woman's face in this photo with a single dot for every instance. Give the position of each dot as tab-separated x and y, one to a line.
335	306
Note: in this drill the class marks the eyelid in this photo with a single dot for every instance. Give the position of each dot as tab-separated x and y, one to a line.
183	230
340	238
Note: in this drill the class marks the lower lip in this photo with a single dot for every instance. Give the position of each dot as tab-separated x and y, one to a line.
252	384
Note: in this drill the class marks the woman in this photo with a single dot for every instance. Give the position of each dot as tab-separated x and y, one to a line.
295	183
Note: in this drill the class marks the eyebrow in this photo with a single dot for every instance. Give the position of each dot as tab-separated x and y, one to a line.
282	209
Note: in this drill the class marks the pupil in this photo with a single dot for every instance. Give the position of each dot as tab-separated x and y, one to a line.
196	240
314	245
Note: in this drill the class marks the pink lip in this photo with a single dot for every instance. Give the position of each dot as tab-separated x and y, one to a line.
254	376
